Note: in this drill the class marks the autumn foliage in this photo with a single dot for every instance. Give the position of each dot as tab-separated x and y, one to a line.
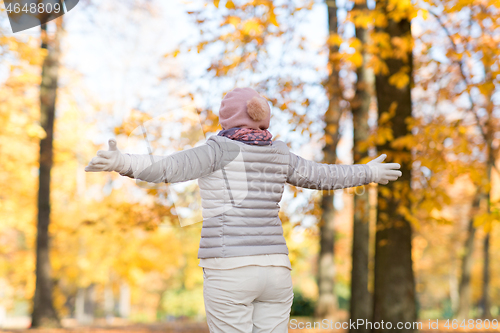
110	236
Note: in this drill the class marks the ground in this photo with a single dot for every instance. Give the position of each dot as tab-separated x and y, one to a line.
185	327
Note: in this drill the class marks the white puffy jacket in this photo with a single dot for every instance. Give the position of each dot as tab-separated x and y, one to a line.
241	186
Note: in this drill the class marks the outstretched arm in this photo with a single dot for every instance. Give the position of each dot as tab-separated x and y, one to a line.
319	176
178	167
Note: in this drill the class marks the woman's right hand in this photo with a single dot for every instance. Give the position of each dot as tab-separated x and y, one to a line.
382	173
109	160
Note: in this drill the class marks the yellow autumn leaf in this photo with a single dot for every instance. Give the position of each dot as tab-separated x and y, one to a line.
230	5
394	4
409	216
334	39
378	65
216	3
355	58
480	219
173	54
398	9
397	15
35	130
384	134
234	20
355	43
486	88
362	19
488	226
407	141
379	19
388	115
424	13
400	79
252	26
200	46
272	18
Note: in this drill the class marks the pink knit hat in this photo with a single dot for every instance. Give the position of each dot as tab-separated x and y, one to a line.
244	107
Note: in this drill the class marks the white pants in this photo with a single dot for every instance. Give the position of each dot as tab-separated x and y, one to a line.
248	299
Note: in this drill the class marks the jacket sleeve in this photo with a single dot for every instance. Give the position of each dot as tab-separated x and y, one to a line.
319	176
181	166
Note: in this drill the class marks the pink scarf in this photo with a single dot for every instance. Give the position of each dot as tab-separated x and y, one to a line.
248	135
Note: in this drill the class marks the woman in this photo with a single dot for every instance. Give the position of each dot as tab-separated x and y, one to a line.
242	173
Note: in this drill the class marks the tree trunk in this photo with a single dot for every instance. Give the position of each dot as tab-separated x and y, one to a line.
80	306
44	314
124	300
464	288
109	303
485	300
394	295
85	305
361	299
326	306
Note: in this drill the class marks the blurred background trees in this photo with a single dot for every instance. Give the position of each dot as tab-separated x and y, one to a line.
347	80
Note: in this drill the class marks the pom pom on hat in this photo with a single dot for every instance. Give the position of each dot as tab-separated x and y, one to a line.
244	108
257	108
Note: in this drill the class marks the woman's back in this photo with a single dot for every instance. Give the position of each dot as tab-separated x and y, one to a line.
240	200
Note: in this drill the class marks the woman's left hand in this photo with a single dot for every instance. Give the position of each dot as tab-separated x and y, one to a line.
382	173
